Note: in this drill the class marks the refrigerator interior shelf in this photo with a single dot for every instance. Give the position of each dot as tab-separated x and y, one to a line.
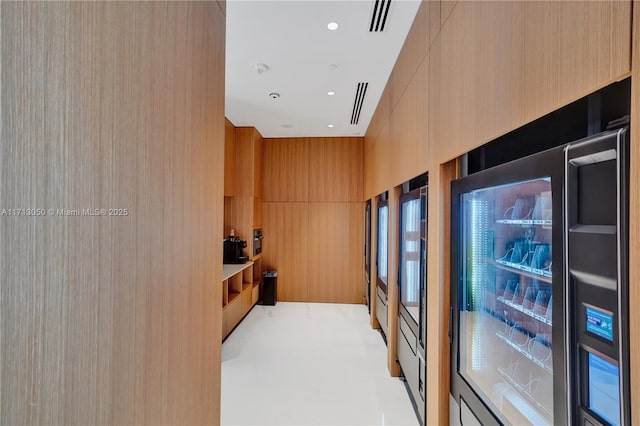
524	352
535	418
526	222
528	312
539	274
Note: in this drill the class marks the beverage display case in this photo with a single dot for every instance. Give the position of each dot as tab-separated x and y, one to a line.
412	280
367	254
411	249
382	260
539	288
506	322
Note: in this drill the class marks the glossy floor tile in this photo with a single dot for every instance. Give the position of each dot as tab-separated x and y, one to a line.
310	364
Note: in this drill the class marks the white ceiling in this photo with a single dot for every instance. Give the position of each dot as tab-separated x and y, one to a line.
292	39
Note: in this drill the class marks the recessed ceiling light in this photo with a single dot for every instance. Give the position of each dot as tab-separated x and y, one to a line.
331	93
330	125
274	95
332	26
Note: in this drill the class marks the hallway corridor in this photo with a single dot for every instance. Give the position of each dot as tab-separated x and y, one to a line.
309	363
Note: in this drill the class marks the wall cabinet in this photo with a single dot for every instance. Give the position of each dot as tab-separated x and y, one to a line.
229	159
243	210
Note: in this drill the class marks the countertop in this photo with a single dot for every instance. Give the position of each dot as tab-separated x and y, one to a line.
229	270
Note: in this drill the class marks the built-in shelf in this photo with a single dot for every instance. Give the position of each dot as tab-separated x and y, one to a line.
538	274
524	352
240	291
525	222
232	296
229	270
529	400
528	312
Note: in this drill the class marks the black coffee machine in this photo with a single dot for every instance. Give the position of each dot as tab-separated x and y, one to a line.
233	250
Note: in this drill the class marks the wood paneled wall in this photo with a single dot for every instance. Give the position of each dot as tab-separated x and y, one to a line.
243	211
230	170
313	218
468	73
111	319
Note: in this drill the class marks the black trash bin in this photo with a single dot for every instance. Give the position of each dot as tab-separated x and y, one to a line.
269	287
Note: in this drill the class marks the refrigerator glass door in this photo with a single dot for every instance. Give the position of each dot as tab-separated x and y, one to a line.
506	299
410	256
422	324
383	245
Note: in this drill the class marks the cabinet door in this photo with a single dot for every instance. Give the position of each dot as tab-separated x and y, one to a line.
257	165
257	212
229	159
246	300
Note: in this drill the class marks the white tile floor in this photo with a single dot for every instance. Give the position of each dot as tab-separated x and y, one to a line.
310	364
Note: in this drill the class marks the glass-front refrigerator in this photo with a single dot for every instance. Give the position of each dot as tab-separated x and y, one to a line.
382	260
530	242
367	253
412	290
422	323
410	277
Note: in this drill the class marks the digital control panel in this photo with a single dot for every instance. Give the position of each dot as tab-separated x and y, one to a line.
599	323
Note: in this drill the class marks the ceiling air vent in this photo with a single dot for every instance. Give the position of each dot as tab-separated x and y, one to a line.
379	16
361	91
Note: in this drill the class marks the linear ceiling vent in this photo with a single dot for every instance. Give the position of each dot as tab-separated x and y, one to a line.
379	16
361	91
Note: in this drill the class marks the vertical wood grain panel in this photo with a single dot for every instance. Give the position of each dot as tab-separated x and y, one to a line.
230	172
380	117
409	133
322	180
634	221
446	7
286	248
257	213
438	290
502	64
258	166
111	320
223	6
286	169
244	210
335	273
413	52
335	169
244	164
434	20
